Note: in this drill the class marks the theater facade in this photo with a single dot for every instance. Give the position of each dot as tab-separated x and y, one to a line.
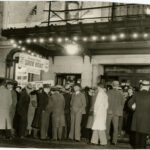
79	42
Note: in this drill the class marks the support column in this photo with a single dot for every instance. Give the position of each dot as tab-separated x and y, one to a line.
97	70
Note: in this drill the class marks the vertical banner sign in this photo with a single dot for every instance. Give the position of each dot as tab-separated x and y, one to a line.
21	75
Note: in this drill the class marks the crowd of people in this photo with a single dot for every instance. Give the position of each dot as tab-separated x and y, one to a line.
99	115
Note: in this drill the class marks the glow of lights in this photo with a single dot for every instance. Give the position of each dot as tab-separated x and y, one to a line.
19	46
85	39
12	41
23	49
32	54
113	37
72	49
75	38
51	39
41	40
122	35
135	35
14	45
34	40
59	40
66	39
28	41
20	42
103	38
29	51
145	35
94	38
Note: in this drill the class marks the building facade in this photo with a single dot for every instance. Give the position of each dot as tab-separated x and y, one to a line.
101	58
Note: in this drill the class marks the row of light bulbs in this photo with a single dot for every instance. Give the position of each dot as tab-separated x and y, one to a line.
25	50
84	39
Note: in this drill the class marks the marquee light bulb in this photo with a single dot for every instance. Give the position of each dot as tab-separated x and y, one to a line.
41	40
23	49
28	41
103	38
59	40
114	37
66	39
34	40
32	54
12	41
14	45
135	35
145	35
51	39
122	35
29	51
94	38
85	39
20	42
75	38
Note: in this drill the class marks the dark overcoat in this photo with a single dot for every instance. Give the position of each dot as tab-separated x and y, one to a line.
43	99
23	103
141	116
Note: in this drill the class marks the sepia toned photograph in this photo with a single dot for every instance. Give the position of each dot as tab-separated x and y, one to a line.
74	75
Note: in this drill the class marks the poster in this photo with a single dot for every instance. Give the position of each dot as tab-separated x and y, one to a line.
33	64
39	84
21	75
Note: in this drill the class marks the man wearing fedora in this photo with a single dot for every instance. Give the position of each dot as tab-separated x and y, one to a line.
115	109
46	107
77	107
140	103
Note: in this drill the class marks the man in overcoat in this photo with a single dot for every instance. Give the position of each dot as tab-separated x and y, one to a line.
115	109
140	103
46	107
5	108
78	105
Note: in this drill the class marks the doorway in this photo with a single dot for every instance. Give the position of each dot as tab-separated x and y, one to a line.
64	78
127	73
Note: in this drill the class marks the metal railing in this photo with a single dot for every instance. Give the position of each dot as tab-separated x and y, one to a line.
114	12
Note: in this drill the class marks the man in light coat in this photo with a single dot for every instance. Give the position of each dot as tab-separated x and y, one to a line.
100	114
5	108
78	104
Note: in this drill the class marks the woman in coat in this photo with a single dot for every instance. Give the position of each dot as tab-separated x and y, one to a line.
58	117
100	114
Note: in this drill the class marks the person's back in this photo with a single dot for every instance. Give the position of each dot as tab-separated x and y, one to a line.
58	102
116	102
5	98
142	112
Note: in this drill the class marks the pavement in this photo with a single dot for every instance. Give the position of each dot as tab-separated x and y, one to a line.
64	144
123	143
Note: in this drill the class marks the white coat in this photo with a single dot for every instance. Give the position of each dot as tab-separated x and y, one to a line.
5	108
100	111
